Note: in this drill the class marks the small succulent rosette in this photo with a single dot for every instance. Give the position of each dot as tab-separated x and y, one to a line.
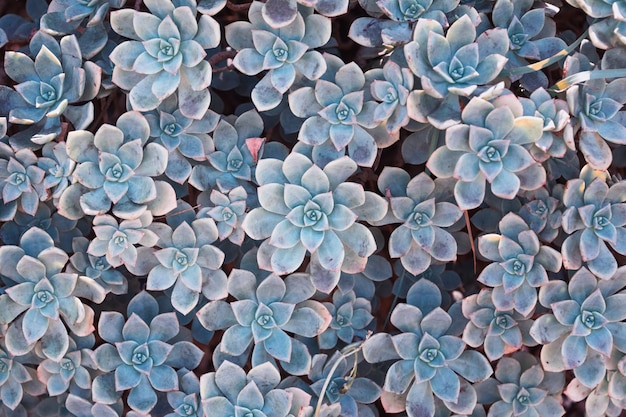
50	86
585	328
488	147
165	55
520	265
231	391
306	209
115	169
140	355
596	107
594	219
264	315
450	64
339	117
531	34
430	362
284	52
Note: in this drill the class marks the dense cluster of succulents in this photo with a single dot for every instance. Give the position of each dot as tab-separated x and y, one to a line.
312	208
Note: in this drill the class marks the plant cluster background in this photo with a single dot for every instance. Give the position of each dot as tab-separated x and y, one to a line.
312	208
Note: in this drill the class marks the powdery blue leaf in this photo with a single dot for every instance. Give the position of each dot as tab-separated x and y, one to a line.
285	261
399	376
574	351
470	195
445	384
142	398
444	248
55	342
591	373
604	265
265	96
425	295
601	340
249	61
312	64
420	401
163	378
308	321
259	223
236	340
467	400
278	344
126	377
136	329
35	327
472	366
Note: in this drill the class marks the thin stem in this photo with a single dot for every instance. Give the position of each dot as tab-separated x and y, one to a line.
471	239
352	349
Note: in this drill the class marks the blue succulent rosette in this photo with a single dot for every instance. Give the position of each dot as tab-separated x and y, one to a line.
281	51
308	209
165	55
116	169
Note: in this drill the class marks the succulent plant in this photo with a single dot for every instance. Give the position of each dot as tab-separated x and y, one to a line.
308	209
67	16
188	262
165	55
115	168
608	29
542	214
116	242
350	317
186	401
96	268
337	117
595	215
450	66
585	325
531	36
488	147
499	331
558	132
596	106
413	10
392	91
455	63
607	398
12	375
22	183
376	32
230	391
421	237
238	147
58	168
279	13
44	294
241	191
50	85
72	369
140	357
431	362
73	12
228	211
60	229
283	52
523	388
263	314
354	394
187	140
520	265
